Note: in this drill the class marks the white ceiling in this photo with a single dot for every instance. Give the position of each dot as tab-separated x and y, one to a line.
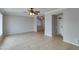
21	11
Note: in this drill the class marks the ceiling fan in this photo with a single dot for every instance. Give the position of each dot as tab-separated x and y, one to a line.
32	12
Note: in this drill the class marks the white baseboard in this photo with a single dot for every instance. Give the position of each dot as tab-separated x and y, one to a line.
48	35
16	33
71	42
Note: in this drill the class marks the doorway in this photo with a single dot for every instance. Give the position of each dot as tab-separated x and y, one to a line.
40	24
57	24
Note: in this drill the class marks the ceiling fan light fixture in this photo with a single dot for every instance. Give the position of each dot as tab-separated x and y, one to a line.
31	14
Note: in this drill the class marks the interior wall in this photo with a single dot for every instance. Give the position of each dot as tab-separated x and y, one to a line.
48	25
48	21
18	24
1	24
71	26
35	23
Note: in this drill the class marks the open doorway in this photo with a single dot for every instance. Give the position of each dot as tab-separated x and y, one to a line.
40	24
57	24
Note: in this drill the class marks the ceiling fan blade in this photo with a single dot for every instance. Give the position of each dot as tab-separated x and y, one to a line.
37	11
31	10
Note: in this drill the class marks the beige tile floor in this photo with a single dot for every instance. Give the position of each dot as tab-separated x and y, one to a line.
35	41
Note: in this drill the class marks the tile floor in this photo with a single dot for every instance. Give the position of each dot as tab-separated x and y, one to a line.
35	41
